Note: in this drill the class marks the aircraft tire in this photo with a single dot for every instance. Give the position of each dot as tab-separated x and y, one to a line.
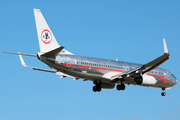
123	87
96	88
118	87
163	94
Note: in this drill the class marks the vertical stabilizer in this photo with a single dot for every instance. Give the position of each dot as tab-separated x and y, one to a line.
47	41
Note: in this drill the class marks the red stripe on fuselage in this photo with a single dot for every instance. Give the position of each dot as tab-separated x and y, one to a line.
162	77
92	67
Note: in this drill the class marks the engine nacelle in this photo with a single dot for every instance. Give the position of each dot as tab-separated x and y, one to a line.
107	85
145	80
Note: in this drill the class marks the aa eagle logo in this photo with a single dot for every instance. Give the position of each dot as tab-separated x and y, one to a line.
46	36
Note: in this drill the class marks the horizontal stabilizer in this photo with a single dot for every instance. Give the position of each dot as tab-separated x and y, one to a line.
21	54
52	71
24	64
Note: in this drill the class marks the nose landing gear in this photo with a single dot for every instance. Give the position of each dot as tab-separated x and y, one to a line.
163	93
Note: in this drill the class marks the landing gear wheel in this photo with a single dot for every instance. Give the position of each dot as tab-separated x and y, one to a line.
163	94
120	87
96	88
123	87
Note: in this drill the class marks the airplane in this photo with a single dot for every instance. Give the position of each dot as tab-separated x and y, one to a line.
102	72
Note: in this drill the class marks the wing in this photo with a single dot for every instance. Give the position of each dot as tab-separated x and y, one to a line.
146	67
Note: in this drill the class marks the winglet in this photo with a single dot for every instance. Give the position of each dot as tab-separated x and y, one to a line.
24	64
22	61
165	47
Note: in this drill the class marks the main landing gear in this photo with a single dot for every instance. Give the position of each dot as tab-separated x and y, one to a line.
120	87
97	87
163	93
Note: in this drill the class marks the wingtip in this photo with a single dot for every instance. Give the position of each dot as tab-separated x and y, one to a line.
22	61
36	10
166	51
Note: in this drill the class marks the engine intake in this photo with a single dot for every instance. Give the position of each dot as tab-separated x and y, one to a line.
145	80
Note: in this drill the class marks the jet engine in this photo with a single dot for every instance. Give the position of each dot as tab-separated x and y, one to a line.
145	80
107	85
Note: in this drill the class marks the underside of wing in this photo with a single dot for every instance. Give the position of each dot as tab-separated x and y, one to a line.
139	71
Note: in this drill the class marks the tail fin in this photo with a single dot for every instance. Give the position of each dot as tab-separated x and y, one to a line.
47	41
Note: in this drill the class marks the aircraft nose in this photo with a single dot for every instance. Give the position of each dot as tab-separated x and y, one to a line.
176	82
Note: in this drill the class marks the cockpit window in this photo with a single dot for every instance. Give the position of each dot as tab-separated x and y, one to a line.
173	76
